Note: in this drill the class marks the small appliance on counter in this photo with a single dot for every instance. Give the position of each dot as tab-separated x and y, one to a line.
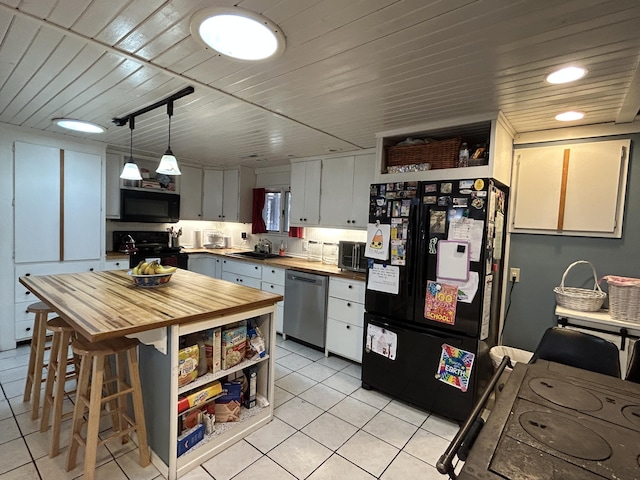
314	251
127	245
213	239
351	256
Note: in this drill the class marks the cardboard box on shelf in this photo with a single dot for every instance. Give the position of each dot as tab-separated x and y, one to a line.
213	348
234	343
190	439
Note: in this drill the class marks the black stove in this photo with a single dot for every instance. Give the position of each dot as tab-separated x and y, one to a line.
560	423
151	245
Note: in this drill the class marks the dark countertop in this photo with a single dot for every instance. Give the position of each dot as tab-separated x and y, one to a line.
293	263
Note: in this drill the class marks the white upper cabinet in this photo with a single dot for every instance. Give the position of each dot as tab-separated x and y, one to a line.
228	195
576	189
82	206
490	131
305	193
344	201
112	185
190	193
59	194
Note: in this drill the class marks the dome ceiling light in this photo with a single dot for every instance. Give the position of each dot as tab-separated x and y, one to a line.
78	125
566	75
569	116
238	33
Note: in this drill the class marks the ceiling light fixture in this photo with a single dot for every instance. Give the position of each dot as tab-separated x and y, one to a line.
168	163
238	33
566	75
569	116
78	125
131	170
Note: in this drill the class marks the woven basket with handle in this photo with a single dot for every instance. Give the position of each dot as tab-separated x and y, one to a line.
581	299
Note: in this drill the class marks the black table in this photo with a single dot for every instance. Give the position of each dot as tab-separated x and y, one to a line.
552	421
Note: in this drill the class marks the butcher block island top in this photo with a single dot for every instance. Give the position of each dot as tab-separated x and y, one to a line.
107	304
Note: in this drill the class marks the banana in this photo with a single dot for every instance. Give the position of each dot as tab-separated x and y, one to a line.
157	268
166	270
136	269
142	268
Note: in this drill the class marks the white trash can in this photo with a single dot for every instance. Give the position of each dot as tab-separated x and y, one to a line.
515	354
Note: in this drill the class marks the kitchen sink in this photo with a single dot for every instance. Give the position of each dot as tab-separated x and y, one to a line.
256	255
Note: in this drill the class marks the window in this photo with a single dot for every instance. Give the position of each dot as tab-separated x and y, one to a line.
276	210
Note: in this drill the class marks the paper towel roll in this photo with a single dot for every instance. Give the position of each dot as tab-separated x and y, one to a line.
197	239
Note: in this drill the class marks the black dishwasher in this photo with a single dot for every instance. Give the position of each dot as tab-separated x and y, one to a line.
305	310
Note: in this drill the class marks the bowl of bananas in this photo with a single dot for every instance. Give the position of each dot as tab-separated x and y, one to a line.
151	274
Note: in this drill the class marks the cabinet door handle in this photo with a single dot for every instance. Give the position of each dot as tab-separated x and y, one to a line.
91	269
117	264
255	268
271	286
27	274
28	329
28	292
348	304
350	286
348	327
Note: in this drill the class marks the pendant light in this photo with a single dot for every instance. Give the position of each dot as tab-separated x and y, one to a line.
168	163
131	170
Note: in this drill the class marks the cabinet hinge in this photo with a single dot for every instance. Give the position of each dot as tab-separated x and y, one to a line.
623	155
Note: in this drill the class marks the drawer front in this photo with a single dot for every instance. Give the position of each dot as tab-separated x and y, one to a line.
116	265
344	340
24	330
346	311
348	289
273	275
270	287
247	269
23	295
241	280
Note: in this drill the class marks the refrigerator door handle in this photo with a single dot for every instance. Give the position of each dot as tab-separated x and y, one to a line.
411	250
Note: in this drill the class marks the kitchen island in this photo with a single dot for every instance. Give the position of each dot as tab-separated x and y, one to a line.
107	304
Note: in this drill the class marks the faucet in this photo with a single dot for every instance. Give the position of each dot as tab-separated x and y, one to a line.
265	246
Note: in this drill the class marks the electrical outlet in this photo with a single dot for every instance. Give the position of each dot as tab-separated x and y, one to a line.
514	275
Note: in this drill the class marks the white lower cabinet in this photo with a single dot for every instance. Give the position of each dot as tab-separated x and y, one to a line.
273	281
23	297
115	264
159	377
345	318
243	273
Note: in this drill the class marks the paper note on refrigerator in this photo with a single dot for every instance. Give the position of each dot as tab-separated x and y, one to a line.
381	341
455	367
440	302
384	278
378	236
469	230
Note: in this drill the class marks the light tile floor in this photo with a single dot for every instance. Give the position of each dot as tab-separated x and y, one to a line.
325	427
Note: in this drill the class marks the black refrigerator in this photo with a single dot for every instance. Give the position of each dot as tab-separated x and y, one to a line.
432	303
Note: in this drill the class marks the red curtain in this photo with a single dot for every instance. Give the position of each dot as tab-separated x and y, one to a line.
257	222
296	232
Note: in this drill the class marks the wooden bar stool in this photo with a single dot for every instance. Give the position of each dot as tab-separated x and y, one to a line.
36	356
57	376
92	366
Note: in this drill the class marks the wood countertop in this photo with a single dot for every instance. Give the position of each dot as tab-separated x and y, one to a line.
103	305
295	263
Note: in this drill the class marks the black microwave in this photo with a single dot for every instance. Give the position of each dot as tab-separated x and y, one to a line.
151	207
351	256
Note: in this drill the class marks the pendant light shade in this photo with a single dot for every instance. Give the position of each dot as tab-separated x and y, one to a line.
131	170
168	163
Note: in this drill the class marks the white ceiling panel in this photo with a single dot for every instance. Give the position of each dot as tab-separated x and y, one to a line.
350	69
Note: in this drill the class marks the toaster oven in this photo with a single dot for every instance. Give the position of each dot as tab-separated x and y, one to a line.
351	256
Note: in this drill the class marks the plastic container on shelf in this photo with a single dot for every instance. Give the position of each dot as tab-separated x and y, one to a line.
314	251
330	253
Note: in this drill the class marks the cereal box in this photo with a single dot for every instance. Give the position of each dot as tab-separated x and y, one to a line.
213	349
234	343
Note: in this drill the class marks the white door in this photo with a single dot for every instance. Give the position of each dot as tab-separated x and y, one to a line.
230	195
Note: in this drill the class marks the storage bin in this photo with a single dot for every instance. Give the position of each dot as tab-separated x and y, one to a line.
624	298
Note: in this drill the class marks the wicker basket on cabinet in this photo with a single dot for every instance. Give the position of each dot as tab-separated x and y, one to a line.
581	299
439	154
624	298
